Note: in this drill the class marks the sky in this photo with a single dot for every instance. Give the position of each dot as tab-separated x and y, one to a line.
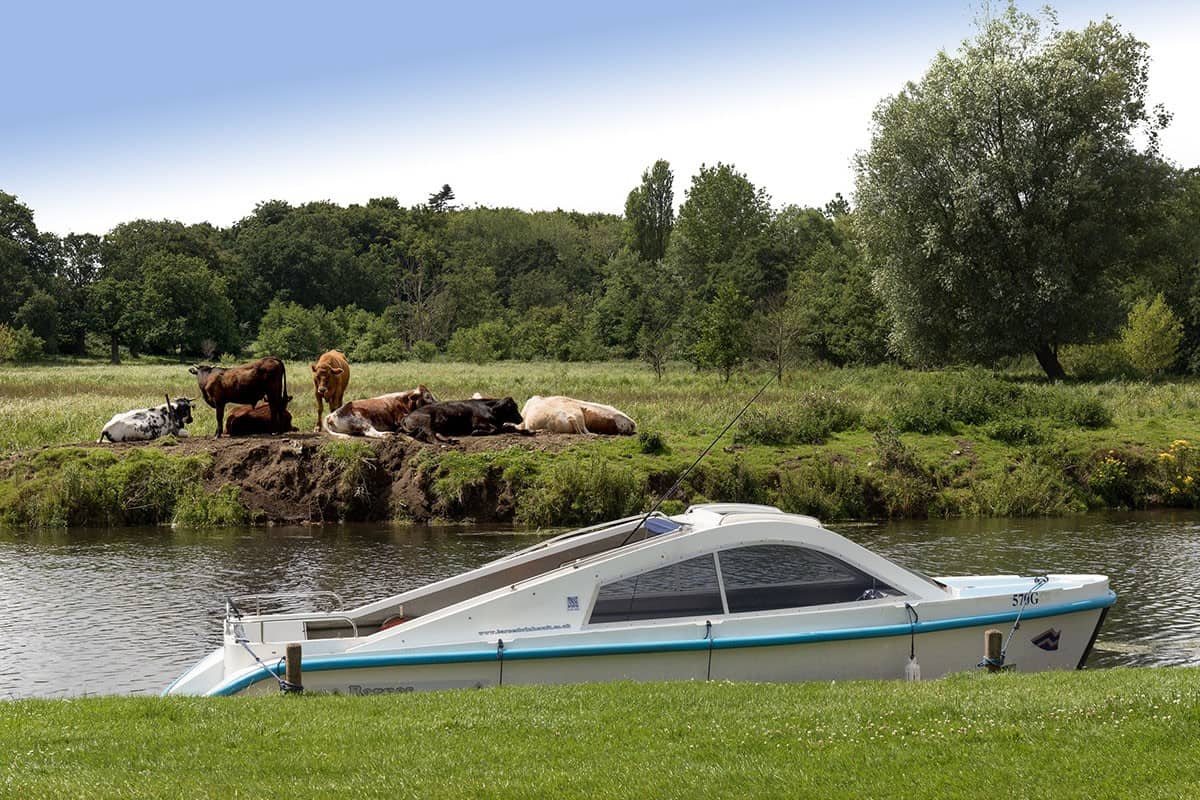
197	112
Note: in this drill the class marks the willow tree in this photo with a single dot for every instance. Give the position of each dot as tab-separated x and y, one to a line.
1001	193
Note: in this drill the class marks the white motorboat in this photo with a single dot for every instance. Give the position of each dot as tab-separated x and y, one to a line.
720	592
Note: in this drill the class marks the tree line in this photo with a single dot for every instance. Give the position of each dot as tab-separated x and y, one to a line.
1013	201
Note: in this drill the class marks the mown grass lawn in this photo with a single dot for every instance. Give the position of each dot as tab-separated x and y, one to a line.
1131	733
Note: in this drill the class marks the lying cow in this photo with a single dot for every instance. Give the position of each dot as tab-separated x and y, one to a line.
331	376
376	416
144	424
560	414
249	383
250	420
462	418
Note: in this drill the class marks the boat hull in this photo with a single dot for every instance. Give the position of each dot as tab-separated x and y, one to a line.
1046	639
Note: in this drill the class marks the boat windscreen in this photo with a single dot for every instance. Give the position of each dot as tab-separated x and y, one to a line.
660	525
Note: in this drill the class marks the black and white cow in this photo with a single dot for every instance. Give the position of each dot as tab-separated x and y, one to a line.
143	424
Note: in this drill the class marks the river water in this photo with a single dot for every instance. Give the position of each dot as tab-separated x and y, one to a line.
126	611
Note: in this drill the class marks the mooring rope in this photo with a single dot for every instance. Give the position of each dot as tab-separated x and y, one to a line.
999	663
285	686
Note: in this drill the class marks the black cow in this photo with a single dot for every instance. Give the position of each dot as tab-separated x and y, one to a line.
462	418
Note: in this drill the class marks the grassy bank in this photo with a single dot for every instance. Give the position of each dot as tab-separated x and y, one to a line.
1118	734
856	443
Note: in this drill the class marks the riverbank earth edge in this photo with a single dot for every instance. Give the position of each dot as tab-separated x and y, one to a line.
840	444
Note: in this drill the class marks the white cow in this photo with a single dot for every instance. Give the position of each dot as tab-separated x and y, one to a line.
560	414
143	424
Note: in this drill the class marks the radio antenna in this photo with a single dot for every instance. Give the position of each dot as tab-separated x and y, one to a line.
667	494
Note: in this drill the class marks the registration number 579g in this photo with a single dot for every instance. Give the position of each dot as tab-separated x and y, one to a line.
1031	599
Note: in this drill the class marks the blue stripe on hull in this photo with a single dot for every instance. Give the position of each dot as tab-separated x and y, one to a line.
368	660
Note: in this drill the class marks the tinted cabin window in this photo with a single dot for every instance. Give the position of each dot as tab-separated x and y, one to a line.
768	576
686	589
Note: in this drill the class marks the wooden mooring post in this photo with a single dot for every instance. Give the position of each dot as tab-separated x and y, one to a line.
993	642
291	670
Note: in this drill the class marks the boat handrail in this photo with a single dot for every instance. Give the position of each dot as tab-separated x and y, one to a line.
232	602
261	621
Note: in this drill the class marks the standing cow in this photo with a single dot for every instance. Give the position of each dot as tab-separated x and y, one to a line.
144	424
246	384
331	376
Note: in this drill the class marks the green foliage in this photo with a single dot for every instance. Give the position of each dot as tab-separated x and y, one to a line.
1027	489
19	345
835	312
1178	472
722	342
1017	431
39	315
946	400
827	487
1111	481
717	232
984	244
183	304
652	443
289	330
1086	412
1096	361
357	467
479	344
1152	336
79	487
423	351
196	508
650	212
814	416
581	491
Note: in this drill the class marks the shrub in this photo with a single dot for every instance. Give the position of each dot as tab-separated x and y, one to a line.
1087	412
77	487
652	443
1178	470
815	415
1096	361
1017	431
19	345
289	330
581	492
423	351
729	482
1111	482
827	487
970	397
1152	336
487	341
1027	489
197	508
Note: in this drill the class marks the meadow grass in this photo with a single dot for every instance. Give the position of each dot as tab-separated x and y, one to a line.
1108	734
977	442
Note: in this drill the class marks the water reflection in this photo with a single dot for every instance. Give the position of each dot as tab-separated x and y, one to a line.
126	611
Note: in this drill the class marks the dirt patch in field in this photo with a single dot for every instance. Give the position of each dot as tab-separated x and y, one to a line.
294	478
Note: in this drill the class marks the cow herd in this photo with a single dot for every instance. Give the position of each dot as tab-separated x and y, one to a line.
412	412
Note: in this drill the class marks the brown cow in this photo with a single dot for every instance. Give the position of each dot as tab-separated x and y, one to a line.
249	420
376	416
249	383
331	376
